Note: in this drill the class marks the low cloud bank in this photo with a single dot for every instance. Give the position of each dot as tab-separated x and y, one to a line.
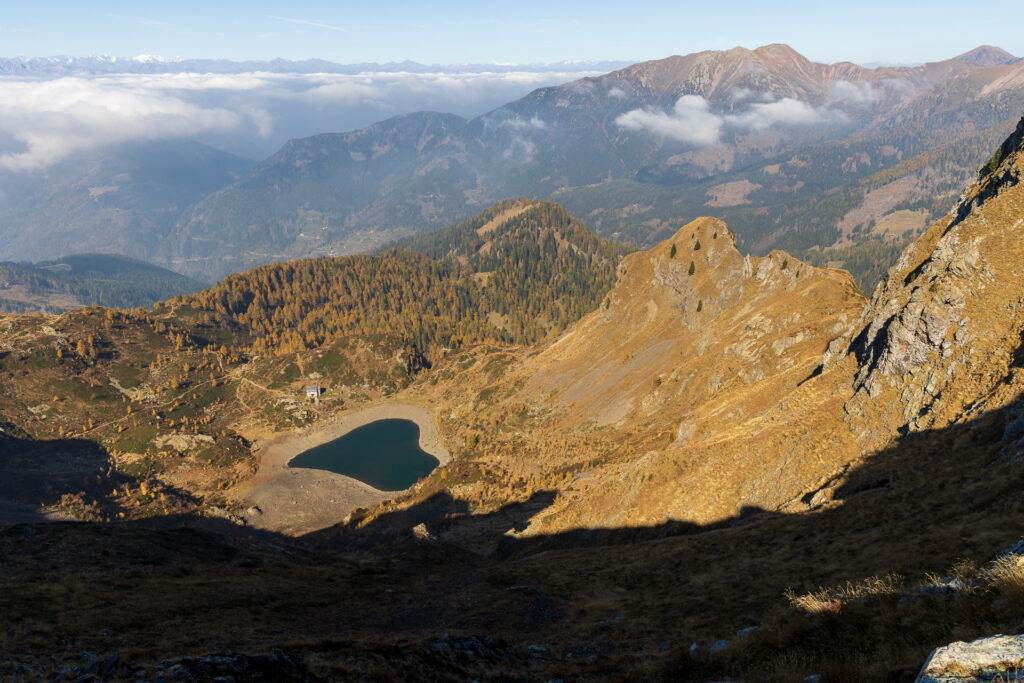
692	120
43	120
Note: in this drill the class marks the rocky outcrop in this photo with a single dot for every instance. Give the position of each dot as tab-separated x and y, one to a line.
985	659
958	285
994	176
710	350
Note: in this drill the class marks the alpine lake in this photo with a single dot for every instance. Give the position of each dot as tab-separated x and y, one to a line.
385	454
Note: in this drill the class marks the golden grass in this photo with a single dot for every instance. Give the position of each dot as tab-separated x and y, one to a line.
1006	577
830	600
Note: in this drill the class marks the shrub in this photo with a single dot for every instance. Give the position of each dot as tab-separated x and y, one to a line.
1006	576
993	163
831	600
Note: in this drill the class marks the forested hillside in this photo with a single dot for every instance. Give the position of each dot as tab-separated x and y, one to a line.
86	279
518	272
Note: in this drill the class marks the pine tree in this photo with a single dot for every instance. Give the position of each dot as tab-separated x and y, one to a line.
692	269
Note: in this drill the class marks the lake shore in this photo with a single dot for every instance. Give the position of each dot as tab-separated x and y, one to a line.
298	501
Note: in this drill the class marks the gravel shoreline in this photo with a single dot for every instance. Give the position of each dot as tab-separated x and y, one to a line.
299	501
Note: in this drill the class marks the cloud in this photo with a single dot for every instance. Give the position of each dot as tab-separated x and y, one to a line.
520	150
741	94
616	93
45	120
692	121
516	123
845	92
897	84
786	111
315	24
53	119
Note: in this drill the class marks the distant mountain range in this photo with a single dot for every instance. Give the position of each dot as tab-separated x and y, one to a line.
837	163
149	64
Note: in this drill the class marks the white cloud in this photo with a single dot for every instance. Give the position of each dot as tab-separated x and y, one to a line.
691	121
897	84
845	92
520	150
53	118
315	24
741	94
516	123
786	111
616	93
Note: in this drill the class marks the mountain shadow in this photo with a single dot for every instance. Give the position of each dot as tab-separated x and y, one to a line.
590	603
75	474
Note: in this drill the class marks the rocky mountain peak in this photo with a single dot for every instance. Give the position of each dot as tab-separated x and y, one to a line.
693	307
987	55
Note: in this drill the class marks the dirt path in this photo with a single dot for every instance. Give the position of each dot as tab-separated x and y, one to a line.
297	501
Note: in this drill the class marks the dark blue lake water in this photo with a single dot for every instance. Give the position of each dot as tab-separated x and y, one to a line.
385	454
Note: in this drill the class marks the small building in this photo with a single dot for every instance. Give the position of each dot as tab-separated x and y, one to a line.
313	392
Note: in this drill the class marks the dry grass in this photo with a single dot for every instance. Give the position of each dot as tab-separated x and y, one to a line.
1006	577
831	600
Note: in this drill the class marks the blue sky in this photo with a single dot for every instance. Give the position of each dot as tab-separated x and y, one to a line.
507	32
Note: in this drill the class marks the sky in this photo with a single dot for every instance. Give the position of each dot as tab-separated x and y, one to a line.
522	32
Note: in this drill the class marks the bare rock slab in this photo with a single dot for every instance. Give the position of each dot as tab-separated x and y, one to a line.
985	659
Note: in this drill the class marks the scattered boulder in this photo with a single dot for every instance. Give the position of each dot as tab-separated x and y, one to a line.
947	585
719	646
985	659
219	512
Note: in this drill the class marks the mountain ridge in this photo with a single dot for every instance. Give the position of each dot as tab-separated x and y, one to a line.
769	110
99	64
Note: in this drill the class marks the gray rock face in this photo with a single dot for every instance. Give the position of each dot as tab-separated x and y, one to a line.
915	336
898	338
983	659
